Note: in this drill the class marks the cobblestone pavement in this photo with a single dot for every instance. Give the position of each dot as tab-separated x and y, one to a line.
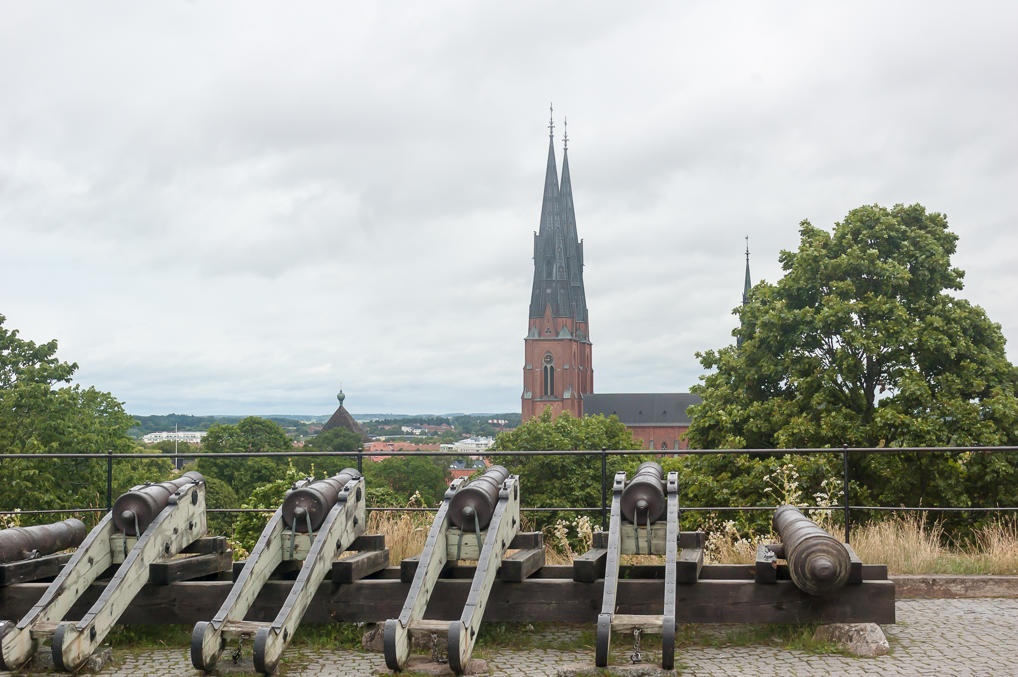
963	637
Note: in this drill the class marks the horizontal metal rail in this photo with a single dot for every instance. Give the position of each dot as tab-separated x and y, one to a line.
602	454
498	454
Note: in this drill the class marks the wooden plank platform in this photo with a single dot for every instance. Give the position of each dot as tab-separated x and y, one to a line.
648	624
36	569
190	567
532	600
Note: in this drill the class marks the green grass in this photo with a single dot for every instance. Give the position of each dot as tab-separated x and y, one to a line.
519	636
150	636
790	637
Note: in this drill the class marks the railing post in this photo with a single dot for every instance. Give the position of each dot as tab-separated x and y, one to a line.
844	489
604	489
109	479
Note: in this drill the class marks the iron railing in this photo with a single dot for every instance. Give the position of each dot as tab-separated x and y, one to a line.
846	508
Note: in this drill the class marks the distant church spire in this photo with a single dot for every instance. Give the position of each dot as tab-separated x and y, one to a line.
558	253
558	370
747	285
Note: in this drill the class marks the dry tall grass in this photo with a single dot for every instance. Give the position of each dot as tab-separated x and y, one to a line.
405	532
907	544
910	544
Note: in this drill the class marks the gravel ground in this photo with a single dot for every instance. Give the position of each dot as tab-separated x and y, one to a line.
964	637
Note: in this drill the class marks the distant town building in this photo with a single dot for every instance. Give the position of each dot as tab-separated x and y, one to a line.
398	445
470	445
459	468
342	418
186	436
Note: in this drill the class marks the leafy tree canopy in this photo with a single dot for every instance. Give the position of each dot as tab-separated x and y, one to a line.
861	343
405	475
565	481
251	434
39	415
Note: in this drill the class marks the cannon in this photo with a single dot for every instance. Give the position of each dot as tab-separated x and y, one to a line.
473	505
305	507
644	499
317	521
157	521
476	520
19	543
135	509
637	509
818	563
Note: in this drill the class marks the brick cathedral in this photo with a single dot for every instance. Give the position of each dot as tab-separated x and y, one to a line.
557	370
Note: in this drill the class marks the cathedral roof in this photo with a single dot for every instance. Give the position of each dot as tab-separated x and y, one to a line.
641	408
558	253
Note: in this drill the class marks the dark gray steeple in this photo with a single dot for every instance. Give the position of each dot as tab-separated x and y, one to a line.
558	254
747	285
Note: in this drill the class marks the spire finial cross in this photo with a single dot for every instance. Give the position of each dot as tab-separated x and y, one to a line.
565	134
551	121
747	249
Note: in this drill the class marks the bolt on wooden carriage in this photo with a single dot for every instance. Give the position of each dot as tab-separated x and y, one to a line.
476	565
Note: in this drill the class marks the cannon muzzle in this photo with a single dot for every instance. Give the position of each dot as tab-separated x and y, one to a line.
314	501
818	563
476	501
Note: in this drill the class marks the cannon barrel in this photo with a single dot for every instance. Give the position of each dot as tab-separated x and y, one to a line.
315	500
644	498
142	503
477	499
18	543
818	563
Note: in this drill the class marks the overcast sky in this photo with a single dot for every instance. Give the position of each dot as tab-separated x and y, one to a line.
229	208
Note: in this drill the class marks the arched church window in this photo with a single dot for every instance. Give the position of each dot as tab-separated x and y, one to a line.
549	375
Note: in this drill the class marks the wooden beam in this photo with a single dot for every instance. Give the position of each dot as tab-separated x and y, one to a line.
359	566
189	568
521	564
590	566
366	542
26	570
533	600
688	565
206	545
526	540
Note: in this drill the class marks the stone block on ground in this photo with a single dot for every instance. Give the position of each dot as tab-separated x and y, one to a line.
425	666
861	639
373	637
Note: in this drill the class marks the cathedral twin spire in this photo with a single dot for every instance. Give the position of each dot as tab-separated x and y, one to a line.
558	252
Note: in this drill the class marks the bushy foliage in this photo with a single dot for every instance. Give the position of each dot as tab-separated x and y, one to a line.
860	343
252	434
403	476
249	525
40	415
566	480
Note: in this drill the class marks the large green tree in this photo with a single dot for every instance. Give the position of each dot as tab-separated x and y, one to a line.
565	480
41	412
861	343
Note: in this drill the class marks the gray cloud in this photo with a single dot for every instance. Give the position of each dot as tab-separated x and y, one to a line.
233	207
